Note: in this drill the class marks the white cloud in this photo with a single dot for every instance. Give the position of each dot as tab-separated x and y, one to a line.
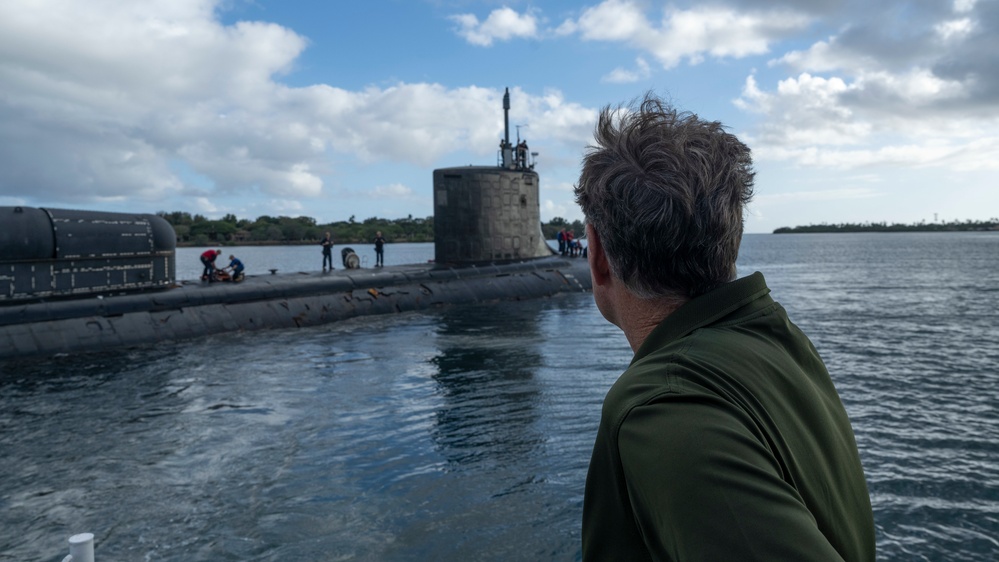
614	20
954	29
727	33
550	116
501	25
103	102
686	34
205	205
103	97
918	87
625	76
804	111
808	123
870	115
392	191
870	96
567	27
826	56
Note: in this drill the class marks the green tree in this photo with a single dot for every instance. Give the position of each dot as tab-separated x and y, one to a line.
265	228
292	230
182	231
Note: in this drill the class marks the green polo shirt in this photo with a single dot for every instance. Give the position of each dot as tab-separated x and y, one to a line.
726	440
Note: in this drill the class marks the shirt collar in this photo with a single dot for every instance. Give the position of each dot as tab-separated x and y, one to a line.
705	309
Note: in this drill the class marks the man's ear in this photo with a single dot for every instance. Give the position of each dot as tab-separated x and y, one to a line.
599	267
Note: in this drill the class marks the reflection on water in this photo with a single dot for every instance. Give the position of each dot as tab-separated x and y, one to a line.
486	371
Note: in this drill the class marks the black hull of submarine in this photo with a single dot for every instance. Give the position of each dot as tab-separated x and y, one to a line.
194	309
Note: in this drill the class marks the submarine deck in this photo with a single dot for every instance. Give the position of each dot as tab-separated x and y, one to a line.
193	308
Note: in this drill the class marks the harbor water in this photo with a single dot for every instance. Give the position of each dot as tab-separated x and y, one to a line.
464	433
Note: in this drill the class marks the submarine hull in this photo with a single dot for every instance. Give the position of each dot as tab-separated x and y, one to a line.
192	309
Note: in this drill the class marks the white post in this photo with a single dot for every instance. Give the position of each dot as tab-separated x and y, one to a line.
81	548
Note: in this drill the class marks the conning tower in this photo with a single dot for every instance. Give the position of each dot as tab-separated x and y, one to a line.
485	214
58	253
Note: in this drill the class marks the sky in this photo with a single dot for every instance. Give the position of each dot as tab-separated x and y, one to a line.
855	111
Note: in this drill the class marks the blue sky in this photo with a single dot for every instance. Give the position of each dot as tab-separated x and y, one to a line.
855	111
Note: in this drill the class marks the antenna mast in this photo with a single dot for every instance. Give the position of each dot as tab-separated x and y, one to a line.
506	117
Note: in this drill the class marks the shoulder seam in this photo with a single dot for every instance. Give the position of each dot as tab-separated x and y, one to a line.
671	385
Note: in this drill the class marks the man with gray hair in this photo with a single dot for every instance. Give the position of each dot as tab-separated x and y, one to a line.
725	438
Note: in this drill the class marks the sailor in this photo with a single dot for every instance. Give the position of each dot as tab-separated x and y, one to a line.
327	243
236	267
208	260
379	249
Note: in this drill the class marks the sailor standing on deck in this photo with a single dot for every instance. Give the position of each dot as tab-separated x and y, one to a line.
379	249
327	244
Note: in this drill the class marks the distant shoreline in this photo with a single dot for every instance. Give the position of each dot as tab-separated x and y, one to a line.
967	226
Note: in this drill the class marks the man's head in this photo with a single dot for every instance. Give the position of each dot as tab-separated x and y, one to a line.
664	192
232	257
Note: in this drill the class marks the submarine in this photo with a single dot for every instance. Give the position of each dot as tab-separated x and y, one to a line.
74	281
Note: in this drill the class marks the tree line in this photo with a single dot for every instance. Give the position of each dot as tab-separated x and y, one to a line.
198	230
923	226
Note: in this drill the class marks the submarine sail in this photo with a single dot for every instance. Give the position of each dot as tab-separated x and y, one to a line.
489	214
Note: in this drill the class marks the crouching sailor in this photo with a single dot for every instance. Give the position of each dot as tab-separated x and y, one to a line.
236	267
